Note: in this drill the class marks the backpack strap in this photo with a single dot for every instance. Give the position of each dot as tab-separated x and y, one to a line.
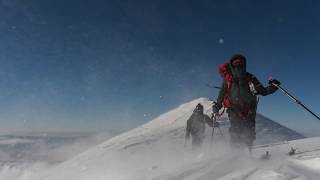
226	101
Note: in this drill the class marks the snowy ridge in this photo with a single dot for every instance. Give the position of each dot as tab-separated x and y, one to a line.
166	132
157	151
169	121
267	130
273	132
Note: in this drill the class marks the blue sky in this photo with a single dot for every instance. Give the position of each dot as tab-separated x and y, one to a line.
96	65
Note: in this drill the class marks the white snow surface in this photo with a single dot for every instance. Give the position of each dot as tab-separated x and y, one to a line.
158	151
15	141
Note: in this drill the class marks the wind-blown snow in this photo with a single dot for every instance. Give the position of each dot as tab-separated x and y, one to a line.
158	151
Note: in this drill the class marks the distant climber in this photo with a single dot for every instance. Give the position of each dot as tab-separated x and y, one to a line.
196	126
238	95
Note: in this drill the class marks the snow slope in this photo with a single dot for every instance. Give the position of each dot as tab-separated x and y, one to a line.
157	151
23	154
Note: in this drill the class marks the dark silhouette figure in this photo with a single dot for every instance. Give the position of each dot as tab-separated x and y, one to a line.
239	95
196	126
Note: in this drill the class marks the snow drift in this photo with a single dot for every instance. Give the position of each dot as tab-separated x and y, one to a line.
157	150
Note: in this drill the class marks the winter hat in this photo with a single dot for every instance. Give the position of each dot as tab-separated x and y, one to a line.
238	59
199	107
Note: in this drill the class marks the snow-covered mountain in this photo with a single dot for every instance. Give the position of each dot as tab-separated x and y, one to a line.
157	150
269	131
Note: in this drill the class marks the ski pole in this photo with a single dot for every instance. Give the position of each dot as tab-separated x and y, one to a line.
214	117
214	121
296	100
185	142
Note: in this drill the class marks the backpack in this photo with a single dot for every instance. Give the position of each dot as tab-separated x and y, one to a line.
226	74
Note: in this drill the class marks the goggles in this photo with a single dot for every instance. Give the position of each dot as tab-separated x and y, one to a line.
238	62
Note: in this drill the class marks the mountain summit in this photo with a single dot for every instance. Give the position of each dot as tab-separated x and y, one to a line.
157	149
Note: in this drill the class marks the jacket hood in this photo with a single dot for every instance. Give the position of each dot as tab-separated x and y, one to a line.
238	59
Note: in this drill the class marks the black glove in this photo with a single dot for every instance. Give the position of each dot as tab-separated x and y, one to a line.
274	82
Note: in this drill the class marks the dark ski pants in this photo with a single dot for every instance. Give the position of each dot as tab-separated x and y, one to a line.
242	131
197	141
